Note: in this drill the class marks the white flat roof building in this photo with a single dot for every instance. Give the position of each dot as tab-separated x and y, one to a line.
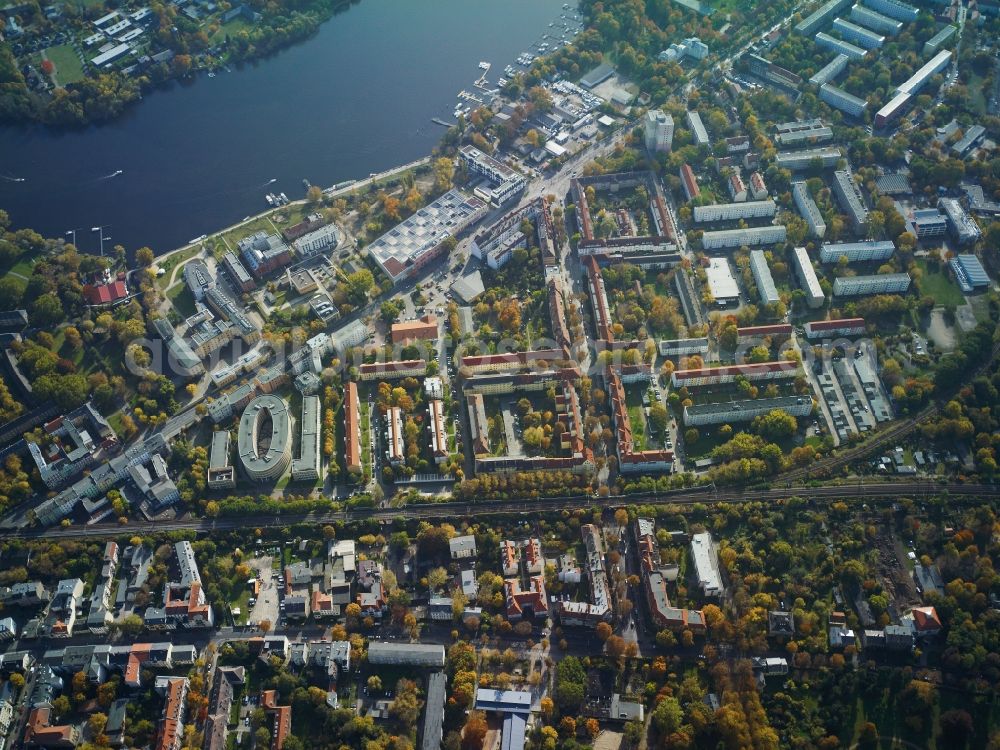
857	252
721	282
807	278
698	132
931	68
762	277
706	564
828	156
830	71
749	236
307	466
735	211
856	286
808	209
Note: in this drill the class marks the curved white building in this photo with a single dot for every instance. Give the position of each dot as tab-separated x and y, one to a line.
264	438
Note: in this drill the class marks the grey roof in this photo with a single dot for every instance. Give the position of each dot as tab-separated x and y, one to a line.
433	730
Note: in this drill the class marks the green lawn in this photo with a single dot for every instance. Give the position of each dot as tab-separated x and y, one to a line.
182	299
69	69
168	264
638	422
230	28
939	286
366	445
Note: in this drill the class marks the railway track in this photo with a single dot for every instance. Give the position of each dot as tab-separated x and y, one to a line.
455	509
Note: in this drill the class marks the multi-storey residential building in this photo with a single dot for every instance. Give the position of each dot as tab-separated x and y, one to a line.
840	46
317	240
512	361
808	208
749	236
479	427
221	474
762	278
892	109
894	9
933	45
757	187
821	16
745	411
827	156
507	182
858	34
307	465
817	329
757	209
857	252
781	370
439	438
407	368
828	73
807	278
689	183
352	428
850	199
679	347
659	130
962	226
698	132
737	188
875	20
840	99
395	449
928	70
929	222
855	286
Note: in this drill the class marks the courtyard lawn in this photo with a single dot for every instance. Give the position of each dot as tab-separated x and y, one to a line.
69	69
638	421
939	286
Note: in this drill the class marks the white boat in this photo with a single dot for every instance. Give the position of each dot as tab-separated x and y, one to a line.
270	199
484	65
284	198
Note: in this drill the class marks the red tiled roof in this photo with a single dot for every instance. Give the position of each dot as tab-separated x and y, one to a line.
833	325
105	293
771	330
747	369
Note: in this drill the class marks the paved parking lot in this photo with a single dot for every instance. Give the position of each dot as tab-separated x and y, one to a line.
266	607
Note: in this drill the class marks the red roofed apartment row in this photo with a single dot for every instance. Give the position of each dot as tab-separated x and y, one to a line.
512	360
844	326
396	369
171	731
630	459
728	373
105	294
778	329
352	427
599	300
560	331
689	182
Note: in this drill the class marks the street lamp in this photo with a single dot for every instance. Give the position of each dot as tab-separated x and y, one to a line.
72	233
100	231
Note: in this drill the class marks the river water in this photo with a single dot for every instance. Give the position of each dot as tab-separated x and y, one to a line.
358	97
